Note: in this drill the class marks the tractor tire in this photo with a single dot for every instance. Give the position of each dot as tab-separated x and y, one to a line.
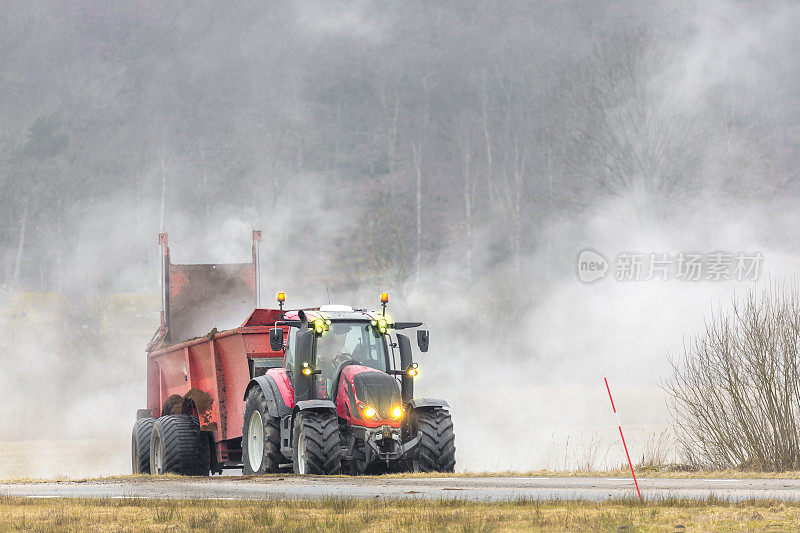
178	446
316	445
261	436
437	443
140	445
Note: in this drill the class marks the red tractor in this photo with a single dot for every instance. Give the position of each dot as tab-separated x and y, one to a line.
318	390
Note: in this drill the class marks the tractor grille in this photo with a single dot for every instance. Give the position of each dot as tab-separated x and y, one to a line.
379	390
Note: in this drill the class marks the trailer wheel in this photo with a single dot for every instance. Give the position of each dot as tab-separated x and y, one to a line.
261	436
316	444
178	446
140	445
437	446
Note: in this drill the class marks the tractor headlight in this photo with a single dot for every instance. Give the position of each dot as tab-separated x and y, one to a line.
397	413
369	411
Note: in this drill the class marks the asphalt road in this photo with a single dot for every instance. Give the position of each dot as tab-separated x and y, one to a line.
472	488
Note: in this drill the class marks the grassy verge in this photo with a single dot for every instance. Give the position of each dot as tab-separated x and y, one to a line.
393	515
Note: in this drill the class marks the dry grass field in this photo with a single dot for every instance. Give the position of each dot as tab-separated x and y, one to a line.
395	515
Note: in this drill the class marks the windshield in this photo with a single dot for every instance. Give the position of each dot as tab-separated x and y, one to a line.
349	341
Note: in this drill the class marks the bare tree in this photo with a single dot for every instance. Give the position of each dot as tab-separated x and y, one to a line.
466	175
735	395
621	128
418	148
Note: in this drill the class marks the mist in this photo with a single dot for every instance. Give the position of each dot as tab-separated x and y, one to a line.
458	156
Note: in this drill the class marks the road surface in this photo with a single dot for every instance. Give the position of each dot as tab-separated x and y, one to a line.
466	488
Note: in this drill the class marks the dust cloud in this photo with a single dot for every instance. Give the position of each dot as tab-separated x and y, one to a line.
459	158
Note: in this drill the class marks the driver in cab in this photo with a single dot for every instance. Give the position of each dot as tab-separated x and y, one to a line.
340	344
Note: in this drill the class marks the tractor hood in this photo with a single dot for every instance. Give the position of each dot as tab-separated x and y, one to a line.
378	390
361	386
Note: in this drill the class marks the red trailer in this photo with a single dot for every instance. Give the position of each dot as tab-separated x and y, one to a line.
207	388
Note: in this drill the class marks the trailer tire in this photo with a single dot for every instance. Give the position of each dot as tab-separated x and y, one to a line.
178	446
316	445
140	445
437	446
266	460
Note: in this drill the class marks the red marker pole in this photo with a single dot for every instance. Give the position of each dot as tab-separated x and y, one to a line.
619	425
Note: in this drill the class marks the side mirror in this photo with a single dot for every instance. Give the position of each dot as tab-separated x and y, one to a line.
276	339
423	338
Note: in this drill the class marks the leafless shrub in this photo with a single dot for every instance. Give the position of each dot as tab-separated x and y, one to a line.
734	395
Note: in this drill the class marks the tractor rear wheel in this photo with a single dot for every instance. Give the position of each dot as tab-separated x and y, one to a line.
316	443
261	436
178	446
437	443
140	445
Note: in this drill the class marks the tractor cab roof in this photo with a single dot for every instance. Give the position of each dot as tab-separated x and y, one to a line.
335	312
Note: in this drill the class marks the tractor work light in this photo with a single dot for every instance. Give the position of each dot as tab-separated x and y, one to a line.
374	322
382	325
307	370
319	325
281	298
412	370
397	412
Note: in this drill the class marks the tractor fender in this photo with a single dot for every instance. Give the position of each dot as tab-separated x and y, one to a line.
310	405
427	403
275	404
316	405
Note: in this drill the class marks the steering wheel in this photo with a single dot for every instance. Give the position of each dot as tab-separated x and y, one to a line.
341	358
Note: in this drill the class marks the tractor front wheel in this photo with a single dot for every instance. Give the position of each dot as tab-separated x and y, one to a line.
178	446
261	436
437	443
140	445
316	443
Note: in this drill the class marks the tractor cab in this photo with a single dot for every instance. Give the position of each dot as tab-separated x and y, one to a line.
343	336
347	362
